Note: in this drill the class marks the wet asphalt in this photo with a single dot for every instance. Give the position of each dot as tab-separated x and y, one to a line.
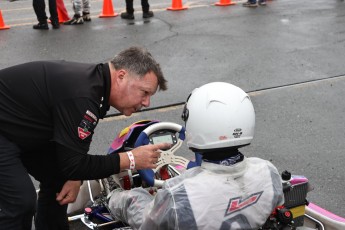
289	56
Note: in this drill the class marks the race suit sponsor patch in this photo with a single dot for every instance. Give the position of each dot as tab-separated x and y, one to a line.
87	125
91	115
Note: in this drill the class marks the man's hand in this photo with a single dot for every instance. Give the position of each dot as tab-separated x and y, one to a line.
144	156
69	192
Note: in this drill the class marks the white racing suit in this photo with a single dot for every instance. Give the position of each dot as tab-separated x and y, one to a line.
212	196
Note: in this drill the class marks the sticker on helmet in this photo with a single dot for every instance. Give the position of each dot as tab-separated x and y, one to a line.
237	133
222	138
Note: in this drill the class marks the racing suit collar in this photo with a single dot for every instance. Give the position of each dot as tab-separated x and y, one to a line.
235	170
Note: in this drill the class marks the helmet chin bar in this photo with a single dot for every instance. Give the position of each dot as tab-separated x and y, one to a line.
167	156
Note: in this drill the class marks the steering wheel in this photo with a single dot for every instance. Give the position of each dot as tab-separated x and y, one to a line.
158	133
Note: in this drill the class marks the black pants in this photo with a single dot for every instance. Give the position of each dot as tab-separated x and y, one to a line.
40	10
50	214
17	192
144	4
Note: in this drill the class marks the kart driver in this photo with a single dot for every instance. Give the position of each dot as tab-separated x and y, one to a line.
48	113
228	190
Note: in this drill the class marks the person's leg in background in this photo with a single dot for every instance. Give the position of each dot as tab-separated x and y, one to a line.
129	14
77	18
250	3
262	2
86	11
17	192
40	7
54	19
146	9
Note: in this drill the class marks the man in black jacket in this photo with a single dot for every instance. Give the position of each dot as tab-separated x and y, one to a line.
48	113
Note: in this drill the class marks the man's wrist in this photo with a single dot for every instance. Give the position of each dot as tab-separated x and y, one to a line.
124	161
131	160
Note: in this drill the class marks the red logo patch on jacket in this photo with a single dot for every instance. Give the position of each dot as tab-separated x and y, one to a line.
82	133
87	125
239	203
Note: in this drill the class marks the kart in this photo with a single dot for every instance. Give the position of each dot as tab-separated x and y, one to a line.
91	206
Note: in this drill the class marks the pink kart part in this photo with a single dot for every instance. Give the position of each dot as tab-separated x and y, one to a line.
127	137
296	180
316	216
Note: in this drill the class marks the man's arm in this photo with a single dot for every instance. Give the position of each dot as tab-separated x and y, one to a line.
79	166
144	156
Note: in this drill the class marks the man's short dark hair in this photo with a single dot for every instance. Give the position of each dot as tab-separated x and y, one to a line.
140	62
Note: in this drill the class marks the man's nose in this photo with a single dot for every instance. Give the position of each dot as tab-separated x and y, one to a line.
146	101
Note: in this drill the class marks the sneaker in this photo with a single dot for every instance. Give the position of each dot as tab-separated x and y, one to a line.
55	24
86	17
250	4
262	3
126	15
41	26
148	14
76	20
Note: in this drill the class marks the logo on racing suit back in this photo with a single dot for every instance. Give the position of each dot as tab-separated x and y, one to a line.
238	203
87	125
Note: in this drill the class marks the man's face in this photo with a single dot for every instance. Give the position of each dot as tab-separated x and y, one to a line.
133	93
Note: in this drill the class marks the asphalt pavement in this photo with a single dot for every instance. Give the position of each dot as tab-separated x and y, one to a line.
289	56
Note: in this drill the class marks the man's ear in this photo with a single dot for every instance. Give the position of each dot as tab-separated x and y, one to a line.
119	75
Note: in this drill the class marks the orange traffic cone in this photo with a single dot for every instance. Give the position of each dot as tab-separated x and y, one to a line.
62	12
177	5
108	10
224	3
2	23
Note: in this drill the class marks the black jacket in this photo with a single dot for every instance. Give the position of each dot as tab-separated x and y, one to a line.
60	102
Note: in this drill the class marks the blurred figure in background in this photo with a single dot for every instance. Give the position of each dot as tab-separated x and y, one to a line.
81	12
129	14
39	7
254	3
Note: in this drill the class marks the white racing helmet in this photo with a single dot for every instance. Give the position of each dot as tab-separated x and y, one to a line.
218	115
